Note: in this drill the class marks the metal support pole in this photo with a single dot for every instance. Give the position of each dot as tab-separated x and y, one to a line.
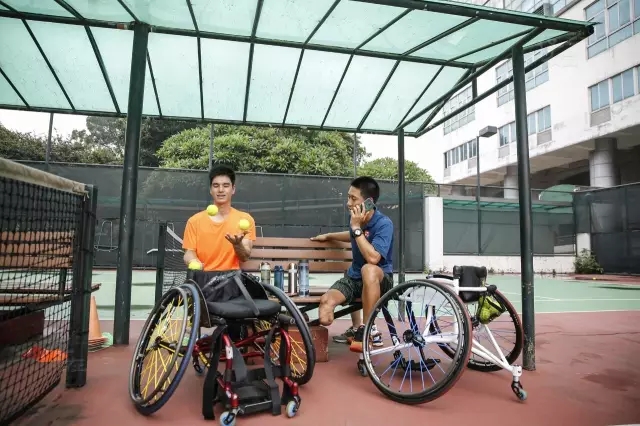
402	221
211	147
162	245
355	155
524	195
130	185
47	158
474	94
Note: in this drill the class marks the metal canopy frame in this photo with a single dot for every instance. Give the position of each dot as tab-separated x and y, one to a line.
576	31
514	46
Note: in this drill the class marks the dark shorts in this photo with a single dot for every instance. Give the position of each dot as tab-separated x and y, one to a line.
351	288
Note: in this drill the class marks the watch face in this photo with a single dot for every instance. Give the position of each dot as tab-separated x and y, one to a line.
357	232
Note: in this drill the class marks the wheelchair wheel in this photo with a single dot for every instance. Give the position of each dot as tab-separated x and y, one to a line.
303	355
412	359
164	348
505	329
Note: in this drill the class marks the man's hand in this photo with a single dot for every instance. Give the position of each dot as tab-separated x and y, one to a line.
236	240
358	216
320	238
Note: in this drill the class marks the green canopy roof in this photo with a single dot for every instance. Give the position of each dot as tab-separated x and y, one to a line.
365	66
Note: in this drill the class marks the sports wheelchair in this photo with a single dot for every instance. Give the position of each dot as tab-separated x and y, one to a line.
444	345
248	324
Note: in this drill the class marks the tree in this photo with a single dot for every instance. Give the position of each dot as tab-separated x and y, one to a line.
110	133
19	146
387	168
263	149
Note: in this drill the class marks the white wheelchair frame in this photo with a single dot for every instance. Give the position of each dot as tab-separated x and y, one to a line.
447	338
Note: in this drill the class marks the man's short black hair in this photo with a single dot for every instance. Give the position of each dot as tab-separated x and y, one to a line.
222	170
368	187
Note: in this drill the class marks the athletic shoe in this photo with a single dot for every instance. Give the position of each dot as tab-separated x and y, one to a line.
345	337
375	339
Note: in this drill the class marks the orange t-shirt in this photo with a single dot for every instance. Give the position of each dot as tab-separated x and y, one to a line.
207	239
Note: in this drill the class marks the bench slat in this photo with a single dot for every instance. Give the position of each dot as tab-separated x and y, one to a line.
298	243
38	298
40	262
36	248
31	236
314	266
301	254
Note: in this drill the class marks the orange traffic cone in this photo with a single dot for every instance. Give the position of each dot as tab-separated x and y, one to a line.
95	335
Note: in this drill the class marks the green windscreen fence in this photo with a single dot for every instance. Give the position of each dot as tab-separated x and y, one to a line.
553	229
612	218
282	206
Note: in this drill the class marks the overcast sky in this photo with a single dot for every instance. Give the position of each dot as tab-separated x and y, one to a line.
378	146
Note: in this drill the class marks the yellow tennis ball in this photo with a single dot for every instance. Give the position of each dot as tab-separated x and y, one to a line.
195	265
244	224
212	210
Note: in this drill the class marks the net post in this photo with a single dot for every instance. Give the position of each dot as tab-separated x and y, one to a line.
524	195
81	292
122	312
162	243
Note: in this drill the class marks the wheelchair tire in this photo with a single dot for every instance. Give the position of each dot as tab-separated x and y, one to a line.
459	364
485	365
301	377
148	404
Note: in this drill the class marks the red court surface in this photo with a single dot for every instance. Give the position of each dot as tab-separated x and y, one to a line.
587	374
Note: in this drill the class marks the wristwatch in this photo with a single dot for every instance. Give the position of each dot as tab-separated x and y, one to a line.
355	233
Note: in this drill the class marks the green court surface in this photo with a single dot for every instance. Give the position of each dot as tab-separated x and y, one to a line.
552	295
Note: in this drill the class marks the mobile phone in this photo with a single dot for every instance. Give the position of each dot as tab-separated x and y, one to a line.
369	205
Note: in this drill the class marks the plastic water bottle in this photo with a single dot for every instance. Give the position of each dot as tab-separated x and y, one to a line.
278	277
265	273
303	278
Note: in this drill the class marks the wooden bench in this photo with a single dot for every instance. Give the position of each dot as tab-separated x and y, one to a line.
327	257
34	266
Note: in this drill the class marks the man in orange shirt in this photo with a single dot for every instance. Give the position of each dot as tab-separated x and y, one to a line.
217	242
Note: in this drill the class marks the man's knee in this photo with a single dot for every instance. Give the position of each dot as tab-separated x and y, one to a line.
332	298
372	274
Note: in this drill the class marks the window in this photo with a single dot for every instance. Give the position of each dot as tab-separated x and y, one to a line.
464	117
614	89
460	153
616	20
622	86
539	121
599	95
507	133
532	79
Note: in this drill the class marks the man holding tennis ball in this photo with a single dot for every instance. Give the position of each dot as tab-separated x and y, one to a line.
221	237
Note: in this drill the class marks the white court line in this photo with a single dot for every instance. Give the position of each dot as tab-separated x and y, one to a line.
591	300
535	297
589	312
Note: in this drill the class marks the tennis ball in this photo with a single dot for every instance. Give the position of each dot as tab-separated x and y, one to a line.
244	224
212	210
195	265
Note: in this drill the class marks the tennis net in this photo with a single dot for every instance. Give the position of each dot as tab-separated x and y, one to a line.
45	239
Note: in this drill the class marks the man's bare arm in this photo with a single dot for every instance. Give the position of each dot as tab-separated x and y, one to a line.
190	255
243	250
343	236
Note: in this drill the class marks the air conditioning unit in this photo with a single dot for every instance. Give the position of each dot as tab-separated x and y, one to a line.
544	9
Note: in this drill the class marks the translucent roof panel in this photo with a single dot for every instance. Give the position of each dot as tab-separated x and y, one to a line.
365	65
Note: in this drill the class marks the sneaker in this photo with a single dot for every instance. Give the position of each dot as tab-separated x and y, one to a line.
356	343
376	337
345	337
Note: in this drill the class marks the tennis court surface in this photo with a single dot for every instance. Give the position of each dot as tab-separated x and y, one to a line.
587	347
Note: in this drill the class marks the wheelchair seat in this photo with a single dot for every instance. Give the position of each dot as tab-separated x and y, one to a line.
237	309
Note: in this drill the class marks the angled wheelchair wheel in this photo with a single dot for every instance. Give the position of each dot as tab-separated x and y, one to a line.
164	348
404	358
303	355
506	330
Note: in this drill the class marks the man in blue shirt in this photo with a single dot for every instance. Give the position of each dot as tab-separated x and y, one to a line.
371	272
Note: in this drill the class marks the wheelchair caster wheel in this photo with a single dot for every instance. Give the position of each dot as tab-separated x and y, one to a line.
228	419
361	368
292	408
516	387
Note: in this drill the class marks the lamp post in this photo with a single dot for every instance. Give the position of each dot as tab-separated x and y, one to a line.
487	132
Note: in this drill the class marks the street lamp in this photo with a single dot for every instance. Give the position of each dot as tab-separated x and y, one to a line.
487	132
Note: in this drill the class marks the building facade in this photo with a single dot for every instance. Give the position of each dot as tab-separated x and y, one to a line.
583	109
